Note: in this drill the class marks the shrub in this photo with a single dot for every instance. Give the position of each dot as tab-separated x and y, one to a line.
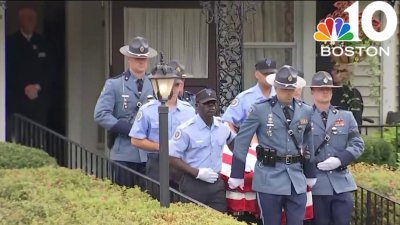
378	178
14	156
378	151
63	196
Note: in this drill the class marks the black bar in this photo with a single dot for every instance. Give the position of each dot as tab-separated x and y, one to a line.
164	155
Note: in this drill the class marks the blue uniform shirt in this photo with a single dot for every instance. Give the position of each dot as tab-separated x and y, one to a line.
146	125
199	145
237	111
345	143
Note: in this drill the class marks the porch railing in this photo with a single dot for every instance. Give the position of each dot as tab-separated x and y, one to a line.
371	208
74	156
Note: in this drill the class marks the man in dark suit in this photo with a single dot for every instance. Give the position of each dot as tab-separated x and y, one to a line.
29	70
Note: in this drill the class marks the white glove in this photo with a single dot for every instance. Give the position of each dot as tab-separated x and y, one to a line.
330	163
311	182
207	175
235	182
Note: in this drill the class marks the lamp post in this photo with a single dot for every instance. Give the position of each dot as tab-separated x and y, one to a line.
162	79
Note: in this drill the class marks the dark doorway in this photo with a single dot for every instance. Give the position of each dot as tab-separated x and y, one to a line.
51	24
322	10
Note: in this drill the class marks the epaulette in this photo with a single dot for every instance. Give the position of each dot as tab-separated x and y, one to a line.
117	76
300	102
148	104
187	123
272	100
263	101
186	103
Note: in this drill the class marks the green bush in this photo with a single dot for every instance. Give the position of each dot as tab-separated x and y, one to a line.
384	181
14	156
378	151
379	178
62	196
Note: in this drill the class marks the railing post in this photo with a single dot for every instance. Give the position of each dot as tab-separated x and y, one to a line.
369	208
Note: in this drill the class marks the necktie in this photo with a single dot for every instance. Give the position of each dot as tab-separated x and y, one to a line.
324	117
139	83
287	114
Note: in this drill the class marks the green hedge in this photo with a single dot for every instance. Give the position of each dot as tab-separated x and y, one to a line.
64	196
378	151
379	178
14	156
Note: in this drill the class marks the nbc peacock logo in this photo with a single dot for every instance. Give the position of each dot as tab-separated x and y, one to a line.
333	30
336	31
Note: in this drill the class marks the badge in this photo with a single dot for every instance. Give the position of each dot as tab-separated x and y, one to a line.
270	125
339	123
290	78
141	49
235	102
177	135
334	130
139	116
325	80
303	121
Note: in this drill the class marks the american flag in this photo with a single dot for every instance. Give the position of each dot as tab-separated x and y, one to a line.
245	200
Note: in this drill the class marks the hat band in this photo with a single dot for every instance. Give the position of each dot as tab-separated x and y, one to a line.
145	54
285	85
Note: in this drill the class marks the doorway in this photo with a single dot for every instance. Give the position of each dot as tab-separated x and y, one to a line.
51	24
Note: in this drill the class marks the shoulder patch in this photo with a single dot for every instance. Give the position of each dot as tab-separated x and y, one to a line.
235	102
178	134
139	115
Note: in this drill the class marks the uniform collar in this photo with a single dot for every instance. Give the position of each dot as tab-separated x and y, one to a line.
258	91
198	120
330	108
130	74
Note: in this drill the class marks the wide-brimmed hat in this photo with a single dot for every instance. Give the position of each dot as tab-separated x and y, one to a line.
322	79
300	81
266	66
179	69
206	95
138	48
285	77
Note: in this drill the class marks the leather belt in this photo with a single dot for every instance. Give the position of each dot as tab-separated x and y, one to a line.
289	159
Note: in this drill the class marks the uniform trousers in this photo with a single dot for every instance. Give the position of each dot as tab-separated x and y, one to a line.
123	177
271	207
333	209
153	171
211	194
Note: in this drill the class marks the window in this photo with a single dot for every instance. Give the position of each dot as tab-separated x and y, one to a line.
181	34
269	33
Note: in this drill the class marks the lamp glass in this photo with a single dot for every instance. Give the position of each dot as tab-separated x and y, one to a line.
165	86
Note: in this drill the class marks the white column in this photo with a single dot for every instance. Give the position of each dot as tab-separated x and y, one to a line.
2	75
308	46
389	78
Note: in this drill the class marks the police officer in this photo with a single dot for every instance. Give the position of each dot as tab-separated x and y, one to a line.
180	71
283	168
237	111
196	149
337	143
118	103
145	131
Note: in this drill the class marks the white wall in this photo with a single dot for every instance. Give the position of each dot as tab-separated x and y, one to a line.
2	77
308	45
85	70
